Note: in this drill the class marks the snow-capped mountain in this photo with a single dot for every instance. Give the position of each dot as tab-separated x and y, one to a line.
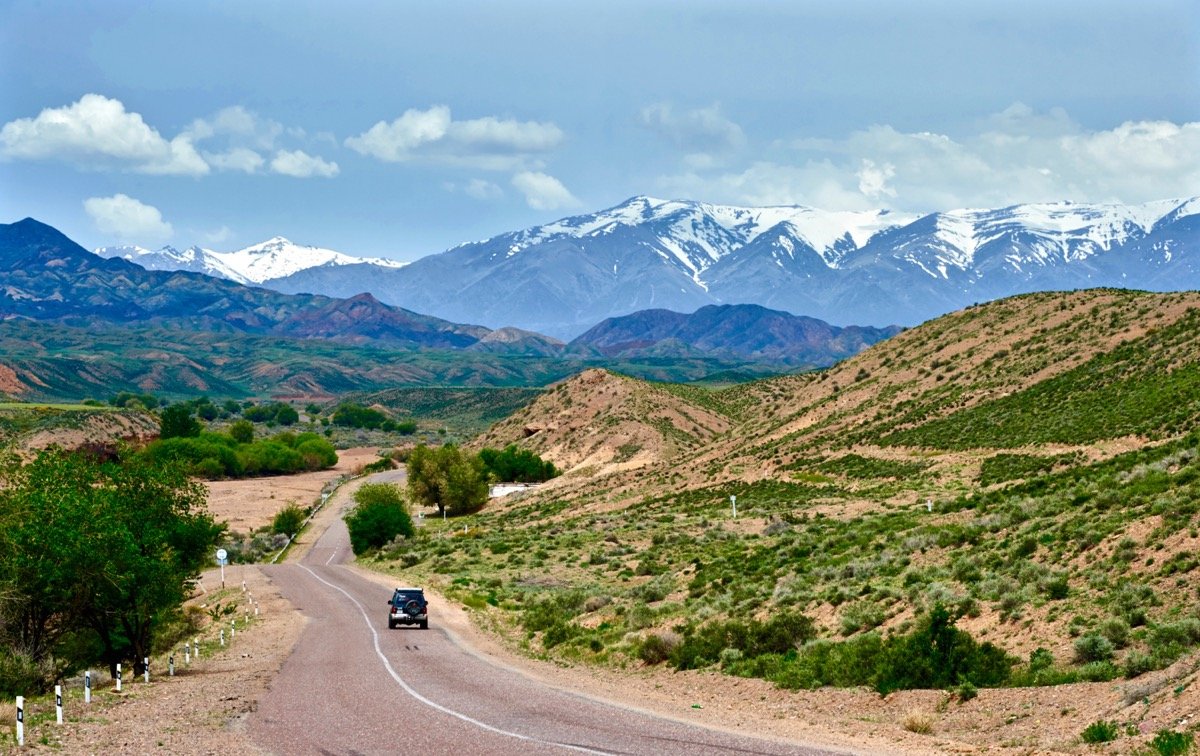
874	268
274	258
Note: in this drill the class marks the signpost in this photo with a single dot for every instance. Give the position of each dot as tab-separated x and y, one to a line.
222	557
733	503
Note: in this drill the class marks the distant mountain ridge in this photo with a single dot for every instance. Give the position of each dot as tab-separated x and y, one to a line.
847	268
748	332
275	258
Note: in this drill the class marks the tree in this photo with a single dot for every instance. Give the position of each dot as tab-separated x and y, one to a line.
447	479
242	431
379	516
100	547
176	421
517	465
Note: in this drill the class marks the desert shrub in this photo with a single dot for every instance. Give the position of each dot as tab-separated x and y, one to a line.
353	415
781	634
242	431
1100	732
1093	647
288	520
657	647
20	674
551	610
937	655
1171	743
920	722
1116	630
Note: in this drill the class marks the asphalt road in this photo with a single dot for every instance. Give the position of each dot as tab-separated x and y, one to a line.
352	686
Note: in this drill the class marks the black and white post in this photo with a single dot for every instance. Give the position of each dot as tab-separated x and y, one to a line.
171	665
146	667
87	687
20	720
58	704
118	678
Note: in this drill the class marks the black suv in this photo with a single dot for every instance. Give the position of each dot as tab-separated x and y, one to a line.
408	607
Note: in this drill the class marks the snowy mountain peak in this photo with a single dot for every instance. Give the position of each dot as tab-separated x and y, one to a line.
277	257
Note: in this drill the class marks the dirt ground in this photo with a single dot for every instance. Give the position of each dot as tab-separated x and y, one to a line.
202	709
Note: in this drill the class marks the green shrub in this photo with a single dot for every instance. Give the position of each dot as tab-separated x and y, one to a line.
1093	647
288	520
378	517
657	647
1100	732
1171	743
516	465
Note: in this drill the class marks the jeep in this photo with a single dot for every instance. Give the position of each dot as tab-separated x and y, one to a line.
408	607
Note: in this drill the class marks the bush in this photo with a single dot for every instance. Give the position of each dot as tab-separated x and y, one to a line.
1171	743
1093	647
516	465
379	516
1100	732
352	415
937	655
288	520
657	647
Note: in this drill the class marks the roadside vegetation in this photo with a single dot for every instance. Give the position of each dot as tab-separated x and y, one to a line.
960	508
96	559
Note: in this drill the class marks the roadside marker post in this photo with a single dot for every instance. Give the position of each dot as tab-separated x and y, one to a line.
733	503
58	704
118	678
146	667
171	665
20	721
87	687
232	630
196	645
222	637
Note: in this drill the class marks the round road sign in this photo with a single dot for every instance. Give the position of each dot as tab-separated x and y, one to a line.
222	554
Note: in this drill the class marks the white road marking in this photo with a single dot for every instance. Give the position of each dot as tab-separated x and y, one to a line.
331	556
433	704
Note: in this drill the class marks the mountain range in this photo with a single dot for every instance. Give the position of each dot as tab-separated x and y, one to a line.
872	267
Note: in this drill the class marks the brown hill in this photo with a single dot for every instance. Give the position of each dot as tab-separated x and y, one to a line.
597	423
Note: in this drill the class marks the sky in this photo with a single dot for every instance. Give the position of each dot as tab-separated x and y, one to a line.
400	129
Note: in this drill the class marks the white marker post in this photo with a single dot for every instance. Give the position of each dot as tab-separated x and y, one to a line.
733	503
187	654
20	721
171	665
222	637
196	645
58	704
232	630
146	667
256	610
87	687
118	678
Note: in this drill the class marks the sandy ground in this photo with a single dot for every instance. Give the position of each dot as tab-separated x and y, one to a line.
202	709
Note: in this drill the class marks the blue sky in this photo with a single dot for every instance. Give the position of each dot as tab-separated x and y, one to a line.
399	129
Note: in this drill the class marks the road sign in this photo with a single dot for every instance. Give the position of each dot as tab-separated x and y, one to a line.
222	555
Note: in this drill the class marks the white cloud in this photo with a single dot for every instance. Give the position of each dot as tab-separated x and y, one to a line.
489	143
236	159
483	190
98	132
300	164
222	234
701	129
1015	156
241	126
543	192
127	219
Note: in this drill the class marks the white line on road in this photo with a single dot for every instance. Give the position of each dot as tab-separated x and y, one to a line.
331	556
432	704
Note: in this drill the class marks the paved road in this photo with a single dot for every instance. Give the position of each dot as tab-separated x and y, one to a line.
351	686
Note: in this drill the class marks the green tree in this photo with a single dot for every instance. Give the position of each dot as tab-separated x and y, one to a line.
176	421
447	478
379	516
99	547
514	464
286	414
242	431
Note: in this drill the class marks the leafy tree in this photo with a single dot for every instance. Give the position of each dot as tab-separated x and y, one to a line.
177	422
232	407
379	516
100	548
447	478
356	416
286	414
242	431
518	465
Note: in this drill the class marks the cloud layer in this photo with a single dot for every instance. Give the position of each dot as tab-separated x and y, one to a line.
543	192
126	219
1016	156
98	133
487	143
